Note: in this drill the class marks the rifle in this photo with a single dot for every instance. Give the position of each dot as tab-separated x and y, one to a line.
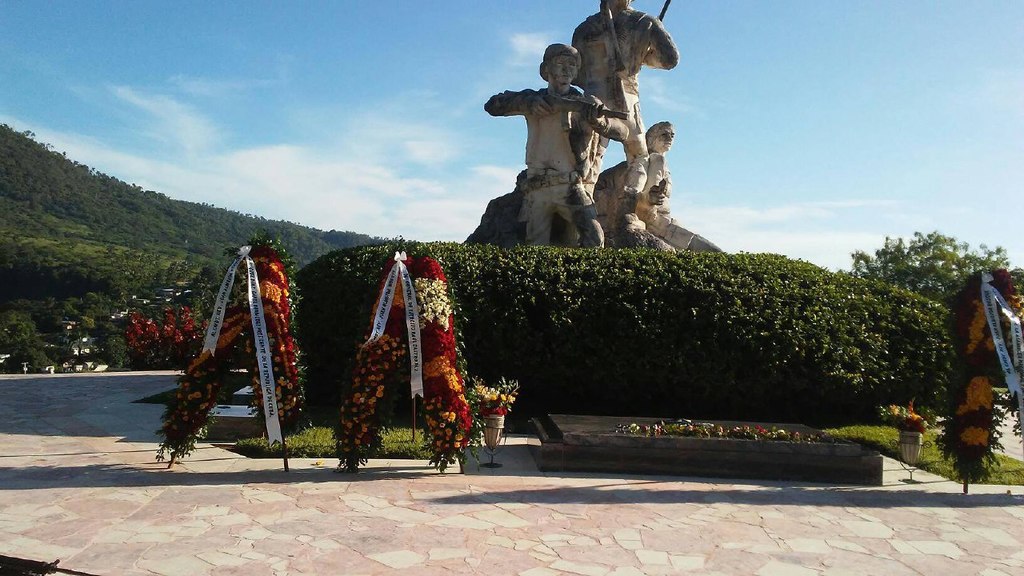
571	105
664	9
614	59
609	19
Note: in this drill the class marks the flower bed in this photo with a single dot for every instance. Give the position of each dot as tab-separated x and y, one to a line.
593	444
689	429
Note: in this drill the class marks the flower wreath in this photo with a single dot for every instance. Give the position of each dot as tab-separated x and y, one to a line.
380	369
199	387
970	435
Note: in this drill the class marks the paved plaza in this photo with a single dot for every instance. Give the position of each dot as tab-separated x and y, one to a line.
78	482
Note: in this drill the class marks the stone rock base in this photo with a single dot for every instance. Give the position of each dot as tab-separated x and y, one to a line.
590	444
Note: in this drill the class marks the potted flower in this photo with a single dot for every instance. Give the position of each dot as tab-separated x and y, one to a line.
494	402
911	426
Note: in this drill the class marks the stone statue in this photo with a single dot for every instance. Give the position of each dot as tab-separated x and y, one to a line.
643	218
614	45
563	198
500	225
563	126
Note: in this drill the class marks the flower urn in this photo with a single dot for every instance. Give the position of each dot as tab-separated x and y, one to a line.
910	446
494	425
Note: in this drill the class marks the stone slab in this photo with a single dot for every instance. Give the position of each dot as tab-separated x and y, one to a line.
231	422
243	396
590	444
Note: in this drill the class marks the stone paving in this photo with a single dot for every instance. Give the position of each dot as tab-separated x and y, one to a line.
78	483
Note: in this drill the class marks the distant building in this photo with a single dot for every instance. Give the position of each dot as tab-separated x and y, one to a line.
83	346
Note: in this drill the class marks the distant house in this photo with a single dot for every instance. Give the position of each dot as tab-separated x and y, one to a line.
83	346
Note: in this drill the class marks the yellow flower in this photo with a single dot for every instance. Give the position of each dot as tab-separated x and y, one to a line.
974	436
270	291
977	329
979	396
435	367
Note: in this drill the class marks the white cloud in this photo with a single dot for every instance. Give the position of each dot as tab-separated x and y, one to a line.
357	185
396	138
819	232
428	151
215	88
655	90
528	47
172	122
326	188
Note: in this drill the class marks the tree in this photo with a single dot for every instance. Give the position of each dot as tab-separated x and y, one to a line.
19	338
933	265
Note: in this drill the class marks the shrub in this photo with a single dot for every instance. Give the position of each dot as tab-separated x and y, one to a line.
643	333
153	346
320	442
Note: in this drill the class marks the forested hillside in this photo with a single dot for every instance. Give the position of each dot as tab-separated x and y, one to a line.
78	248
66	229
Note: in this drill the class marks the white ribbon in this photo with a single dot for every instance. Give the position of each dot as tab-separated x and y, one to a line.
221	304
259	331
994	304
263	356
412	319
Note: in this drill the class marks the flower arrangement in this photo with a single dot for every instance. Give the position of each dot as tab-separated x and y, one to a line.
496	400
199	387
903	417
167	346
380	369
708	430
432	296
970	434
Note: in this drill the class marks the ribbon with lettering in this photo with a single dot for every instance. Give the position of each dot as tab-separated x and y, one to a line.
259	332
412	319
995	305
221	304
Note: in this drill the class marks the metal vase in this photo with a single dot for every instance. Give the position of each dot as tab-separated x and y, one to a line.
910	447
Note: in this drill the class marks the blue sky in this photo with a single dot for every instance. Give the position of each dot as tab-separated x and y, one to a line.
805	128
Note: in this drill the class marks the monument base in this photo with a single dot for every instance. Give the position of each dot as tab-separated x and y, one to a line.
590	444
231	422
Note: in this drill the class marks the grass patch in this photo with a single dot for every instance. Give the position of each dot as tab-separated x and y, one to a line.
319	442
885	439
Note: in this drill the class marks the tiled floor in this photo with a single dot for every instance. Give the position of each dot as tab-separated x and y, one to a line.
78	482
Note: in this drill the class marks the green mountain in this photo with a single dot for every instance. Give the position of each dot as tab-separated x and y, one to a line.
66	229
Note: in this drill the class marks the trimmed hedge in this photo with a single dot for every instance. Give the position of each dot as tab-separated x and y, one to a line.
644	333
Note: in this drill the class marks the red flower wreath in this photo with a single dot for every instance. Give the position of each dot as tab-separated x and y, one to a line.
969	436
200	385
379	370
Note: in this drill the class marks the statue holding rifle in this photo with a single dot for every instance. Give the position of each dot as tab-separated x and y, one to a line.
563	126
553	202
614	45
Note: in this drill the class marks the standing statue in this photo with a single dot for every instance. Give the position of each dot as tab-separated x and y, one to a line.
643	219
614	45
553	202
563	126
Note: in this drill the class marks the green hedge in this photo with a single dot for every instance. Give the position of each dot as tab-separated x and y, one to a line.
635	332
